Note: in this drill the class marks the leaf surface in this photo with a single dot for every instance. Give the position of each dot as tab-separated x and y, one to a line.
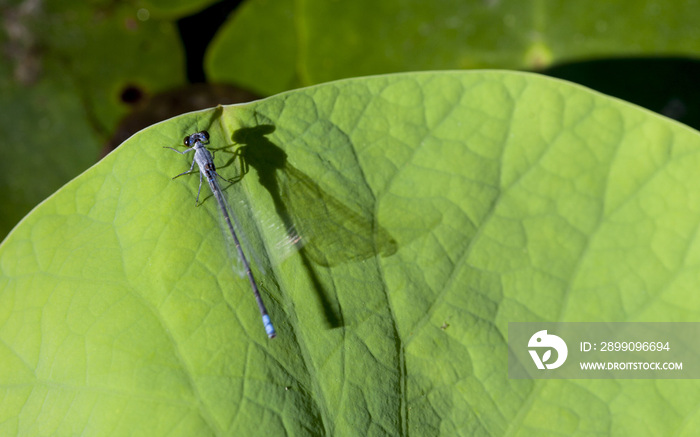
469	200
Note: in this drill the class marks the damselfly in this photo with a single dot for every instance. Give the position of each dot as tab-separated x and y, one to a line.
203	158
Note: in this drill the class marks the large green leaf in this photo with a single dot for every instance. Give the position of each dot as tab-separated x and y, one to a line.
272	46
454	204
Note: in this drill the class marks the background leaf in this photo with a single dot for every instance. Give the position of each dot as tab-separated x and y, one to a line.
270	46
60	97
511	197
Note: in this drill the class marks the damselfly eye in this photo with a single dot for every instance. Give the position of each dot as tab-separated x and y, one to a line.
187	141
205	135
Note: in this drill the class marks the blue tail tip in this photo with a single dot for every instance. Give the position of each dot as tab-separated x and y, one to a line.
268	326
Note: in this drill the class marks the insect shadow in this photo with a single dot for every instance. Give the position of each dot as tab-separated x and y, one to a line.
332	233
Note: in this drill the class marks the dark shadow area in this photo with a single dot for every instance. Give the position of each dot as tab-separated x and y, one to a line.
668	86
147	110
327	231
197	31
332	233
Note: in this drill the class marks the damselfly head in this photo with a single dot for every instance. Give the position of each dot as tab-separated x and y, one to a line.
202	136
